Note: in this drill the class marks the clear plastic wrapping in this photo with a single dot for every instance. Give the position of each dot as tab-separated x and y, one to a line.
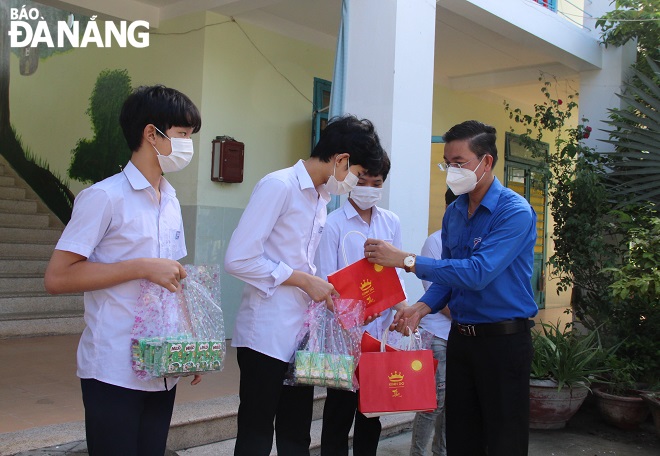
179	333
420	339
328	346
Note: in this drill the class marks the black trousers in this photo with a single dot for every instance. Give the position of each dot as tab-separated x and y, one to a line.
338	413
122	421
487	394
265	399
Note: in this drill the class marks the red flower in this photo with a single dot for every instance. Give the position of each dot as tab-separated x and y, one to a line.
559	102
588	129
585	135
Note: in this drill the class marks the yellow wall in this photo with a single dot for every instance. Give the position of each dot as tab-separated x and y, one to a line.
48	108
246	98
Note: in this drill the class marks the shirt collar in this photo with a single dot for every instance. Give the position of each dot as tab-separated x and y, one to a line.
305	181
492	196
350	211
139	182
489	200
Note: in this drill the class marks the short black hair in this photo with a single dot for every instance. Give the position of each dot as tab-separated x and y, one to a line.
481	137
384	168
158	105
357	137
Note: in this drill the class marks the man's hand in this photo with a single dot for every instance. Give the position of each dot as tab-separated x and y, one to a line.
196	380
407	319
164	272
383	253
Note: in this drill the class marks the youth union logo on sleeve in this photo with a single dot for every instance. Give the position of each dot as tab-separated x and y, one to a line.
68	33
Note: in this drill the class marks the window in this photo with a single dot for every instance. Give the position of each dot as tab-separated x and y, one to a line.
523	173
550	4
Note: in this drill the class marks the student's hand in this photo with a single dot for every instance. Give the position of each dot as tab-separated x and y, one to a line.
318	289
197	380
321	291
383	253
408	318
371	318
164	272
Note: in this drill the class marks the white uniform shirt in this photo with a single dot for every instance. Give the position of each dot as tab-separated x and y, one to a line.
384	225
436	323
114	220
277	234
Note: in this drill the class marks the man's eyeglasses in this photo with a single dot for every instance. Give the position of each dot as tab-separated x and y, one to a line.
444	166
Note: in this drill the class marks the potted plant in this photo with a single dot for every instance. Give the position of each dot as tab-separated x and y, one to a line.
634	323
618	399
564	364
652	399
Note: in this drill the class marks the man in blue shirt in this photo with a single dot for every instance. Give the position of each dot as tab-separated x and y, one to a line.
488	238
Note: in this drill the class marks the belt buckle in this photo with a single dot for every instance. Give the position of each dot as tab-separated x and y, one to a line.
467	330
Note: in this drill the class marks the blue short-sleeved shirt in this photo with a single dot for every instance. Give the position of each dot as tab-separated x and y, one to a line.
488	260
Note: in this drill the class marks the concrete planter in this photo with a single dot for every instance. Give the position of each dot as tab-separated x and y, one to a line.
653	401
624	412
551	408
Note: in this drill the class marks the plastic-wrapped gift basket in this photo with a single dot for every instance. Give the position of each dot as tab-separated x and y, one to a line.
179	333
328	346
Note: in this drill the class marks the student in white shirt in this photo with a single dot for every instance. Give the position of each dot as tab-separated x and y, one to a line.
272	250
359	214
126	228
439	324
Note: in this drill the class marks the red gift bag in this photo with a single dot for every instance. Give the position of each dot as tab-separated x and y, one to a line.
396	382
378	286
369	343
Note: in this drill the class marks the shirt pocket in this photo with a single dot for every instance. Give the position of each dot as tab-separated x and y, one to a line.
455	248
173	244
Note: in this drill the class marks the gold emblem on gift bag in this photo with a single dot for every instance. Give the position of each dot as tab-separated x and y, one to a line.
367	288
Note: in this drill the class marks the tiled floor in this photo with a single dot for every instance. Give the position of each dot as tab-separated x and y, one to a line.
38	383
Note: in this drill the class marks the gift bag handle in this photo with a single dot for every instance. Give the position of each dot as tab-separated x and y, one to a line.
343	243
383	339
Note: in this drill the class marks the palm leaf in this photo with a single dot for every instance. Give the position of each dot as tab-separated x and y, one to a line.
635	135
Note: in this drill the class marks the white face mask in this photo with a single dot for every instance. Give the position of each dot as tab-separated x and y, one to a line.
462	180
334	187
182	153
366	197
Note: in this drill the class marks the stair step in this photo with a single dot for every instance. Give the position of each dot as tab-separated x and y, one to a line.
24	220
7	181
9	250
16	285
40	306
28	235
202	423
12	193
51	326
203	428
18	206
392	425
23	266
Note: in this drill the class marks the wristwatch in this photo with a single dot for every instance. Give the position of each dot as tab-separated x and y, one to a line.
409	262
